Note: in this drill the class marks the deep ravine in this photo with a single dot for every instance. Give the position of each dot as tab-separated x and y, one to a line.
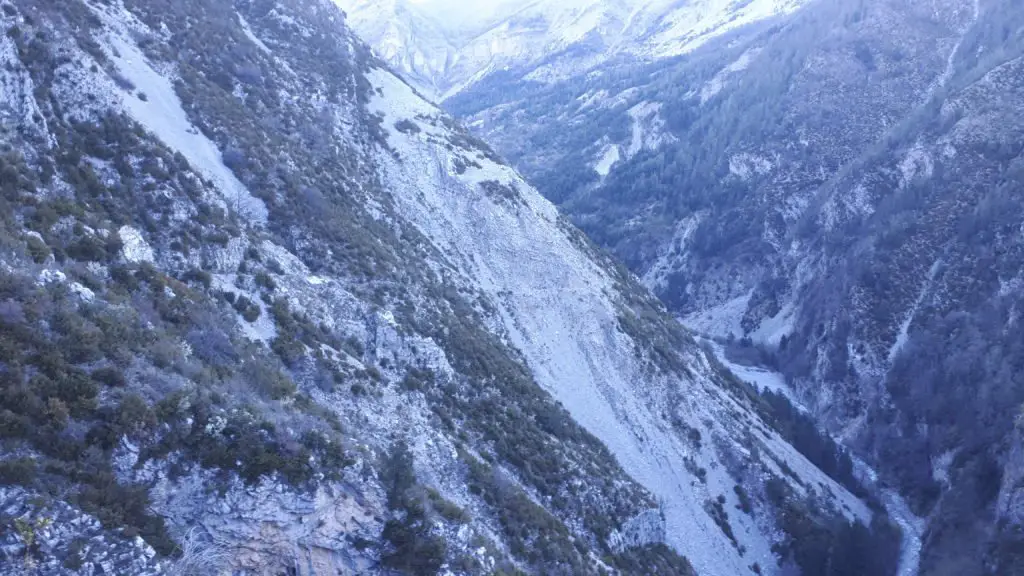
895	505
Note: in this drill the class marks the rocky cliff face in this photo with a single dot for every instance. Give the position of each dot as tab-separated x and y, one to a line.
264	309
841	186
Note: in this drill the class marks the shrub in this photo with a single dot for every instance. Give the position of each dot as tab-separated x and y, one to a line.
135	415
407	126
234	159
19	472
109	376
213	346
11	312
87	249
446	509
264	280
249	310
745	504
290	350
200	276
125	507
411	547
57	413
271	383
122	81
38	250
653	559
716	510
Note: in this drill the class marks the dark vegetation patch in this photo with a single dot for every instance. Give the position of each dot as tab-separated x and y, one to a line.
832	546
411	545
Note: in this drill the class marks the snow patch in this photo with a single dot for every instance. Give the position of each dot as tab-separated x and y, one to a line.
941	465
722	321
904	333
771	330
760	378
251	36
843	207
592	100
746	166
917	164
648	130
609	156
716	84
694	23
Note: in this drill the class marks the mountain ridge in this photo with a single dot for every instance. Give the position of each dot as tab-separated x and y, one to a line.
524	37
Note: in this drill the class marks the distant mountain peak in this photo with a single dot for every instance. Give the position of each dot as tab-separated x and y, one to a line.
443	47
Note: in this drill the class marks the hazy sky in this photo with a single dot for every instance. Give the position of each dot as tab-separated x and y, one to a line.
466	4
469	8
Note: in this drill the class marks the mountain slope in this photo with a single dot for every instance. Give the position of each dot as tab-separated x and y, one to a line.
840	187
264	309
407	39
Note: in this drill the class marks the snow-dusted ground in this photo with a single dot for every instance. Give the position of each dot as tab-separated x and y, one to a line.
648	128
760	378
558	307
609	156
913	529
716	84
721	321
688	26
912	525
657	277
154	104
771	330
445	51
904	333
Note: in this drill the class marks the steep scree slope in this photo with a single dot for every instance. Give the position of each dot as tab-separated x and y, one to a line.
842	186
